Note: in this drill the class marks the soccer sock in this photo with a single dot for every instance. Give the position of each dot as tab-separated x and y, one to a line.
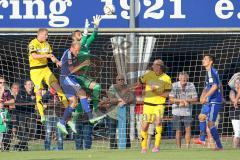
40	105
215	136
158	136
203	132
144	135
67	113
96	96
62	97
85	105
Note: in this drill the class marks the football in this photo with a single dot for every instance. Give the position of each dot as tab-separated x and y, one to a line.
109	9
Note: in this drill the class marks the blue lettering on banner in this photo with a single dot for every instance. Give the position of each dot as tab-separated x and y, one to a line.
149	13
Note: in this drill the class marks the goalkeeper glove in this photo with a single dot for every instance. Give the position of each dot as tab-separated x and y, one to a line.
96	20
85	32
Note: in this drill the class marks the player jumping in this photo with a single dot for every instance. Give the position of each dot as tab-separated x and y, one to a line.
86	82
39	52
72	89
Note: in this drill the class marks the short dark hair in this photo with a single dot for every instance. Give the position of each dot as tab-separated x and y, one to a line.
211	57
27	80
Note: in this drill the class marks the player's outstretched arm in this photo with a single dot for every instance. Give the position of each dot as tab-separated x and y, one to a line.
96	21
85	33
86	26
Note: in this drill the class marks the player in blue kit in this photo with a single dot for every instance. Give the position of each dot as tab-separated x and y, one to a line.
69	84
211	99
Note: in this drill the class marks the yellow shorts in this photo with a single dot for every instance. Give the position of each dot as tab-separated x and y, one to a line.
151	112
40	75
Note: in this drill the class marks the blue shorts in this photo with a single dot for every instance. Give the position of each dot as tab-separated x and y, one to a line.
211	110
70	86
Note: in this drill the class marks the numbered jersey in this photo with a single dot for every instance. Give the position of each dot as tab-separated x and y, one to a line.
39	48
212	78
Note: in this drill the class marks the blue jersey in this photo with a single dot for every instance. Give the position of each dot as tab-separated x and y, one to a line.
68	80
212	78
68	60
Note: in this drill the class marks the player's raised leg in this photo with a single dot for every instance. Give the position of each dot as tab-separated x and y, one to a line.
60	94
52	82
39	104
71	89
85	104
67	114
90	85
37	81
96	88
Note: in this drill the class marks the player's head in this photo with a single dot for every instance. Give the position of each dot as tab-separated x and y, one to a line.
2	81
15	88
158	66
75	47
120	79
76	35
208	60
42	35
183	78
28	85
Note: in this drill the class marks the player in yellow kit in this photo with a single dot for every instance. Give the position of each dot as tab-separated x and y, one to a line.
39	52
158	86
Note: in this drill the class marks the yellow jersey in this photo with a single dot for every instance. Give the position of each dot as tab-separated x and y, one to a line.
160	82
39	48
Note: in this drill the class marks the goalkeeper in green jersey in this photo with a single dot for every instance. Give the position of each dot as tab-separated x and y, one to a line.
86	82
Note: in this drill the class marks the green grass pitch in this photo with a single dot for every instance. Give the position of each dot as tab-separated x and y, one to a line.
100	151
123	155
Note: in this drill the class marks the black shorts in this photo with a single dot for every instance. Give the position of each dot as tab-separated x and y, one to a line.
178	120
